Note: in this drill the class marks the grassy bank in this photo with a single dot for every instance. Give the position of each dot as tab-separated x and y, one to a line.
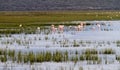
57	16
12	20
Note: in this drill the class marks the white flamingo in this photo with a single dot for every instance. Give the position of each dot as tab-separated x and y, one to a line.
99	26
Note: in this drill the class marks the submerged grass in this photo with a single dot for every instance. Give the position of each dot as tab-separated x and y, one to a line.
30	57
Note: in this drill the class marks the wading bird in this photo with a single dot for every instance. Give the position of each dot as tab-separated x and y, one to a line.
99	26
61	28
53	28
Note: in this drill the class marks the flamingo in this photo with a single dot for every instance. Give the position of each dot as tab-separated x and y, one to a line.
61	28
79	27
82	23
53	28
99	26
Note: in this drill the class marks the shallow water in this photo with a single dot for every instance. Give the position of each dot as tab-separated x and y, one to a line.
90	37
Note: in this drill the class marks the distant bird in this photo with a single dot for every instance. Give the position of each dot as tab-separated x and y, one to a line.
99	26
70	26
52	25
20	25
53	28
38	28
82	23
80	26
61	28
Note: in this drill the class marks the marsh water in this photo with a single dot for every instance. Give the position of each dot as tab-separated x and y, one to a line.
70	40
